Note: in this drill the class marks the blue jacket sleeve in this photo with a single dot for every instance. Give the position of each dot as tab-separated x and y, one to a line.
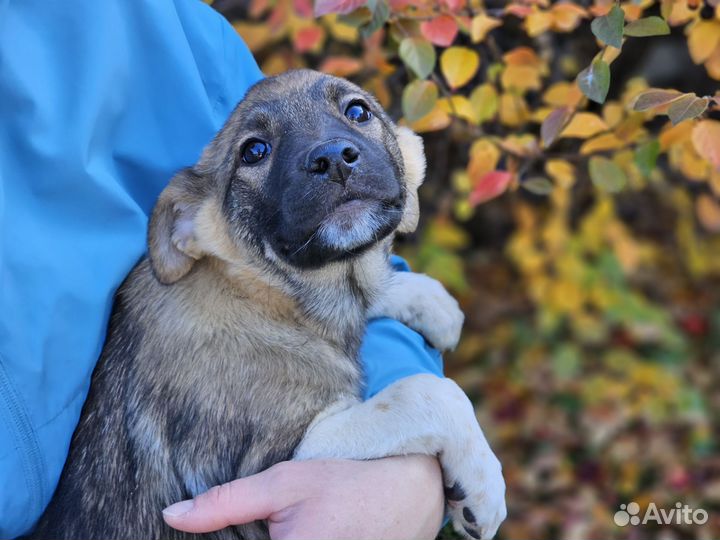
391	351
101	103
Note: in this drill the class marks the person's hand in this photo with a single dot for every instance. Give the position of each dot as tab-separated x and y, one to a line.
397	497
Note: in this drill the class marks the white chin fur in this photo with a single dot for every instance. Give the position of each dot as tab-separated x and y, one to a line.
349	228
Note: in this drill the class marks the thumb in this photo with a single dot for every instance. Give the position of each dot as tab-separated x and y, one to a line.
240	501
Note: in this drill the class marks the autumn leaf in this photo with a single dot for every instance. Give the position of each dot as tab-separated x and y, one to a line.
484	157
686	107
441	30
418	99
606	174
703	38
606	141
706	140
594	81
538	185
653	98
562	171
418	55
584	125
484	100
480	26
459	65
308	38
553	125
490	186
609	28
341	66
323	7
435	120
649	26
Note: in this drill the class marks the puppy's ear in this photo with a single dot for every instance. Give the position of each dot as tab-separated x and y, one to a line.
173	247
413	154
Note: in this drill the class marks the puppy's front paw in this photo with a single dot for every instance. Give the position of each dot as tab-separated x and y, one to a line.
476	496
423	304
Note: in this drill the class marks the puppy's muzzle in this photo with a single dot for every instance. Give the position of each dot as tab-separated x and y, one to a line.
333	160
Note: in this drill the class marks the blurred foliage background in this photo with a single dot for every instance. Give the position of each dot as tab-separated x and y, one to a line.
572	204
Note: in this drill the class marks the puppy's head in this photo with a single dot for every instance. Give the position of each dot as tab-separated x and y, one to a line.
308	169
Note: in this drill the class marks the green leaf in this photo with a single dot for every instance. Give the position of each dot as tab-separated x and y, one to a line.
594	81
418	99
380	14
606	174
609	28
646	157
649	26
538	185
686	107
418	55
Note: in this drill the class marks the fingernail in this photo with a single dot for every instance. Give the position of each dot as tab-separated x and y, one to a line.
178	509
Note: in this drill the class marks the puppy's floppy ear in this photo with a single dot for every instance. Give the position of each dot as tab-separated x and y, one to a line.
172	243
413	154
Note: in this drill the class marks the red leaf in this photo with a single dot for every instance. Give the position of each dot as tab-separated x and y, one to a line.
303	8
308	38
454	5
440	31
490	186
323	7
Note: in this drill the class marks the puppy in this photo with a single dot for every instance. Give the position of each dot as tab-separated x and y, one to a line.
234	346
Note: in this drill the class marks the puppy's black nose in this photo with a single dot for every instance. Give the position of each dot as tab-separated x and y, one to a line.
334	159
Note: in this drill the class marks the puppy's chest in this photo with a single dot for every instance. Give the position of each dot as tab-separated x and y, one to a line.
237	396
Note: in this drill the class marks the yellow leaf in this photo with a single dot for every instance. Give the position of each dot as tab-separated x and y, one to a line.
584	125
538	22
566	16
519	77
713	64
563	94
341	31
613	113
435	120
610	54
703	37
608	141
673	135
539	115
513	110
561	171
706	139
520	145
692	165
484	100
459	65
460	107
484	157
481	25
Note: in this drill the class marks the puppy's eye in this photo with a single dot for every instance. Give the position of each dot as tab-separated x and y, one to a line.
255	150
358	112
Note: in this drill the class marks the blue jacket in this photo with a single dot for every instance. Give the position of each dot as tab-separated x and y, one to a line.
100	103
